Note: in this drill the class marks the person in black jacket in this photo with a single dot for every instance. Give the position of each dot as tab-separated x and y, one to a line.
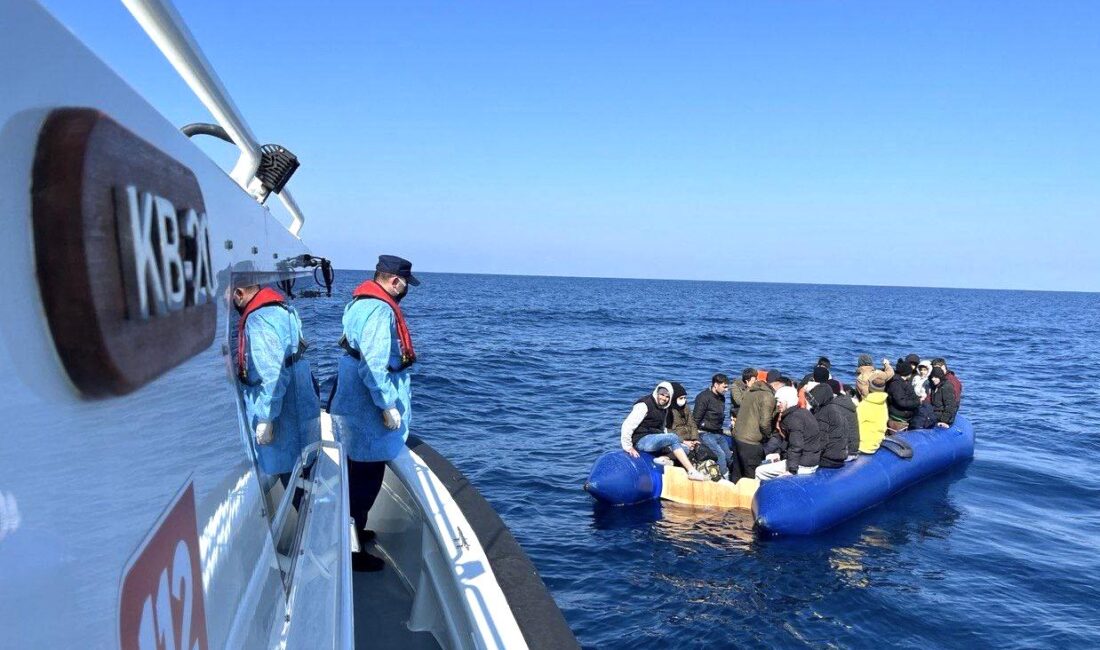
833	424
710	414
902	402
851	420
798	436
945	403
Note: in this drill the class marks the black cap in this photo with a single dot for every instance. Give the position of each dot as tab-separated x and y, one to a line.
773	376
904	368
398	266
913	359
821	374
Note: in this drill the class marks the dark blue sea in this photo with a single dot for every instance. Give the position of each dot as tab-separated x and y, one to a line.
523	382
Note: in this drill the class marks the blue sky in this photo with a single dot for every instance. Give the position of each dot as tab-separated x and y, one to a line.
902	143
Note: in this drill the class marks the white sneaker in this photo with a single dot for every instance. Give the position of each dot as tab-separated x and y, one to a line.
662	460
696	475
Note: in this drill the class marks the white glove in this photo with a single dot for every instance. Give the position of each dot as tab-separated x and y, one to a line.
772	458
391	418
265	433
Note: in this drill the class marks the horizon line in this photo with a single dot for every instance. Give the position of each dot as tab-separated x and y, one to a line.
818	284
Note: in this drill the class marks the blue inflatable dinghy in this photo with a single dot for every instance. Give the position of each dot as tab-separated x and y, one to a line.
619	480
809	504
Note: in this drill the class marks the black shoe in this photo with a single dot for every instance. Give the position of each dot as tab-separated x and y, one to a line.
366	536
366	563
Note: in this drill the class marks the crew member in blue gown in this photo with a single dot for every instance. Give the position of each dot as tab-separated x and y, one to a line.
280	402
371	405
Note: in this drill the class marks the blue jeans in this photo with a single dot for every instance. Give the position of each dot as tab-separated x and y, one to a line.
654	442
720	445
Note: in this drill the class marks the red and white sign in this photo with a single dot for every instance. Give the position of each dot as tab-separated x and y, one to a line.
160	605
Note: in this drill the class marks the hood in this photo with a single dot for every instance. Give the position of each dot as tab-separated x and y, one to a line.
845	402
667	385
819	396
761	386
876	398
678	391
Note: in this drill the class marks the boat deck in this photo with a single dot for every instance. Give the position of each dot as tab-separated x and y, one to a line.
382	607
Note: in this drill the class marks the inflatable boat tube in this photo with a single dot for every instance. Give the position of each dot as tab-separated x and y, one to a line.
809	504
619	480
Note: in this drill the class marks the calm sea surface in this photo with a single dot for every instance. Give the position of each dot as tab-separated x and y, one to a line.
524	381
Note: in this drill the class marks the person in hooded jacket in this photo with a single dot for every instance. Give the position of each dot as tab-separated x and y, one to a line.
832	421
950	376
902	402
276	384
945	404
851	420
872	414
798	434
371	402
645	429
680	420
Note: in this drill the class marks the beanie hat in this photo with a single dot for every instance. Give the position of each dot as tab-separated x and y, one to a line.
786	395
821	373
878	381
865	360
774	376
938	372
913	359
904	368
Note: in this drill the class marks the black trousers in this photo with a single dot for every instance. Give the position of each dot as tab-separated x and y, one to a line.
364	484
750	455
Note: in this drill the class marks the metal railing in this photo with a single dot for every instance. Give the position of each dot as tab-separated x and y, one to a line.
160	20
318	576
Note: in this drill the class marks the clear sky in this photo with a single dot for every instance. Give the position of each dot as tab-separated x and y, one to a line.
904	143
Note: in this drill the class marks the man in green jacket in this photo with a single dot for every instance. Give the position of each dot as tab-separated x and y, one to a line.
755	422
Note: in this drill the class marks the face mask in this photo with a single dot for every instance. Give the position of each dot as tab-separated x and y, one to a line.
404	292
682	402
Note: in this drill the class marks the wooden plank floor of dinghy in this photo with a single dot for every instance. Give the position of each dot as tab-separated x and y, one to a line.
722	494
382	607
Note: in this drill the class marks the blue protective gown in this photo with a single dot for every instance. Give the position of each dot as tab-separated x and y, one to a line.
367	387
281	395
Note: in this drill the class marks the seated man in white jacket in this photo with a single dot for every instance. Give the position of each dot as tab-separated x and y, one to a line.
645	429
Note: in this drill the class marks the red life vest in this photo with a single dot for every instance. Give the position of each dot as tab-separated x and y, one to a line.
263	298
373	290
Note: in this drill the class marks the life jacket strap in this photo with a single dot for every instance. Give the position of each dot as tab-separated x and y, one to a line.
358	356
287	363
352	352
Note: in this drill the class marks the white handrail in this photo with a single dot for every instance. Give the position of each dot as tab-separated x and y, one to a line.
166	28
295	213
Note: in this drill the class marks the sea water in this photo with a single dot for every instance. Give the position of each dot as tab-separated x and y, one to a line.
523	381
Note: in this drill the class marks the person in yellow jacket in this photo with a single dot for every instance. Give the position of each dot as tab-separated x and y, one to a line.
872	414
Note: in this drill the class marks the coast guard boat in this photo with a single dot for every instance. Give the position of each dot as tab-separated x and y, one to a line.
132	511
